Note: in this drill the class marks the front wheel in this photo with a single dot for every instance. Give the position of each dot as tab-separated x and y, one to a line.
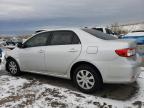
87	79
13	68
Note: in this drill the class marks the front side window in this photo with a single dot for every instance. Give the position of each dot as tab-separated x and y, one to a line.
64	38
38	40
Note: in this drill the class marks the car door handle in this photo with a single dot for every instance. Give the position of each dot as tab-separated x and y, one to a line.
72	50
41	51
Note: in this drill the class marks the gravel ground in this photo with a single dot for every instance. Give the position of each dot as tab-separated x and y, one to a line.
39	86
113	91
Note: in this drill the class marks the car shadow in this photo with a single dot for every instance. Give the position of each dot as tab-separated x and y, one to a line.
119	91
111	91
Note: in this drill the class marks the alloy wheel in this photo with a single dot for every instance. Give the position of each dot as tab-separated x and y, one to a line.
12	67
85	79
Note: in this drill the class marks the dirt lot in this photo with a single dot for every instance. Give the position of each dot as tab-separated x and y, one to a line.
38	91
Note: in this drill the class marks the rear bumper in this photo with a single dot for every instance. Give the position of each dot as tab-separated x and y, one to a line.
119	73
122	74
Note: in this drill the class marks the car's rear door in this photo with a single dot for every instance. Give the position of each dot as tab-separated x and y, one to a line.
64	48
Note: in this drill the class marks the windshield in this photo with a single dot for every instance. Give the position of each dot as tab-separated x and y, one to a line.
99	34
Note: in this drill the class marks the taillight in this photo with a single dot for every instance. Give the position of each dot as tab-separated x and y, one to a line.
127	52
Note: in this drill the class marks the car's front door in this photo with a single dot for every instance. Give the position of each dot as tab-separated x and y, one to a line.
64	48
32	56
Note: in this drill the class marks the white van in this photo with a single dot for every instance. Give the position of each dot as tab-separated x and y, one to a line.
106	30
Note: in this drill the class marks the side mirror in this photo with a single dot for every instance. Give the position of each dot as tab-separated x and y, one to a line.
20	45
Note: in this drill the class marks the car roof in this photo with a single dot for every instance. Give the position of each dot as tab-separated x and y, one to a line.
56	29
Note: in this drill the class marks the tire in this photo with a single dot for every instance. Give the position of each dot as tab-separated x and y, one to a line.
87	79
13	67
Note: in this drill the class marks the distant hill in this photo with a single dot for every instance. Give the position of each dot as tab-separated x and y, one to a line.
133	26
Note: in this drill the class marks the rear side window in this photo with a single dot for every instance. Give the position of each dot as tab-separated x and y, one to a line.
64	38
99	34
75	39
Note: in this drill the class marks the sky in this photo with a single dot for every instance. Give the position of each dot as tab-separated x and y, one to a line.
25	16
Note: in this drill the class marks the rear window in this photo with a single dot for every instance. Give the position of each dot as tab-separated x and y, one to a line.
99	34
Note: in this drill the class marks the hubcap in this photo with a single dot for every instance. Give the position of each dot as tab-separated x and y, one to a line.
13	67
85	79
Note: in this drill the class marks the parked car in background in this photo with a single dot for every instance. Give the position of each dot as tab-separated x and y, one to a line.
88	57
9	44
0	55
2	58
106	30
138	36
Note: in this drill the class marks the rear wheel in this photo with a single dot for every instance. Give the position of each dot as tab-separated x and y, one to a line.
87	79
13	68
